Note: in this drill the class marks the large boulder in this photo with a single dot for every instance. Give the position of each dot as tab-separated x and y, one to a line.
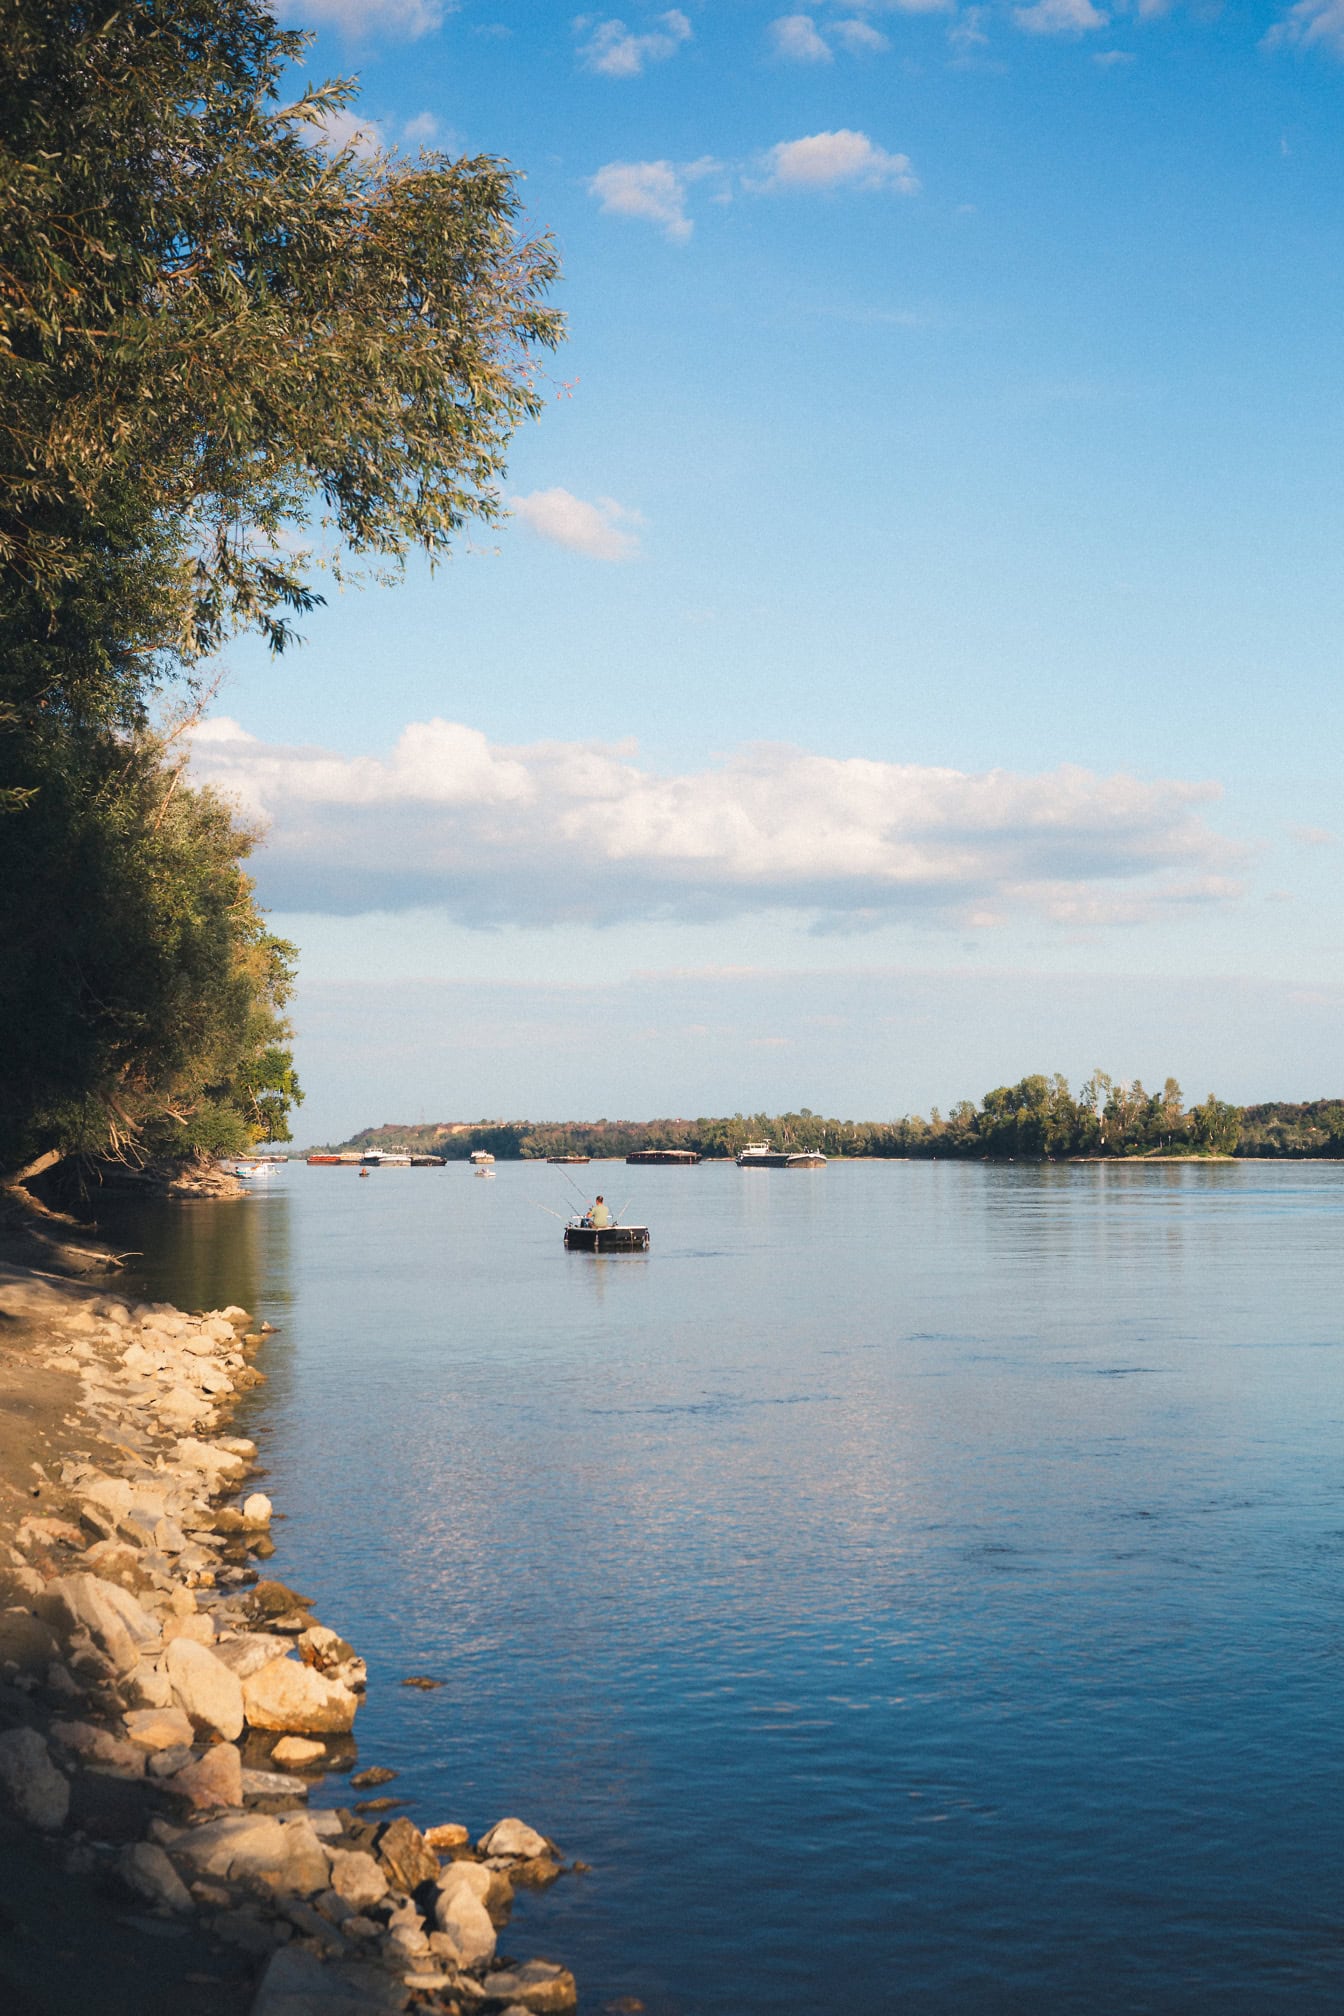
122	1631
357	1878
248	1652
216	1779
145	1868
26	1642
205	1688
30	1785
158	1728
489	1887
297	1983
538	1985
276	1852
297	1700
100	1747
465	1920
513	1838
403	1854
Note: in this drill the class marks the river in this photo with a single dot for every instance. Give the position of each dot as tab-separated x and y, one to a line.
909	1585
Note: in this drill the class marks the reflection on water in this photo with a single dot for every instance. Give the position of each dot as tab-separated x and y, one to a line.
907	1585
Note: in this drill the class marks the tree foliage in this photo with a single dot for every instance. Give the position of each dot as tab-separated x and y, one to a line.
230	353
142	996
212	325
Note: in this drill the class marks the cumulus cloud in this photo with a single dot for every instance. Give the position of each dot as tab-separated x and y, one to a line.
407	18
1059	17
1310	24
653	190
795	38
583	830
839	160
601	530
613	50
860	37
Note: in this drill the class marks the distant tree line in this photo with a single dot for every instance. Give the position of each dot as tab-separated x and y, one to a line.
1037	1120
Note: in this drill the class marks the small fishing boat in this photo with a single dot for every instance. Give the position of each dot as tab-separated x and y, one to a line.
484	1169
581	1236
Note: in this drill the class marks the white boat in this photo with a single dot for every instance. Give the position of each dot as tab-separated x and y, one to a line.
484	1169
480	1156
387	1158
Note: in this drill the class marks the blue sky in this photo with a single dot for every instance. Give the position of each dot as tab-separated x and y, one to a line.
922	594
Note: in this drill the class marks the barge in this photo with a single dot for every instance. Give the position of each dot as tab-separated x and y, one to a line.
683	1157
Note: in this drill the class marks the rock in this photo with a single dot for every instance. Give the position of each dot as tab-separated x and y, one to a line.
30	1785
490	1888
158	1728
148	1686
214	1460
167	1763
312	1925
248	1652
199	1628
406	1942
296	1983
357	1877
332	1656
297	1750
328	1826
243	1930
465	1920
404	1856
257	1510
26	1642
145	1868
273	1599
98	1746
539	1986
534	1872
275	1852
446	1839
376	1774
216	1779
115	1622
513	1838
360	1927
205	1688
274	1785
298	1700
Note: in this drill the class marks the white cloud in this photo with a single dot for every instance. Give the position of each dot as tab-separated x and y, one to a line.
601	530
1059	17
613	50
653	190
422	131
860	37
582	830
843	159
1311	23
795	38
362	18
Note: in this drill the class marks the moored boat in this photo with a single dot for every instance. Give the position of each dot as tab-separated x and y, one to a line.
386	1158
481	1157
557	1160
683	1157
760	1155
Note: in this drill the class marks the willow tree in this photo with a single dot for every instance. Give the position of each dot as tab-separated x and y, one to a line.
232	350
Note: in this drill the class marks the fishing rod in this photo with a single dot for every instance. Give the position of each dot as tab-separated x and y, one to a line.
547	1209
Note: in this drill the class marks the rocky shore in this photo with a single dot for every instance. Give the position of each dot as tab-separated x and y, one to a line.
165	1711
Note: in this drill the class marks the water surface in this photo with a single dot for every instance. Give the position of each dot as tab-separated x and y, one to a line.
910	1585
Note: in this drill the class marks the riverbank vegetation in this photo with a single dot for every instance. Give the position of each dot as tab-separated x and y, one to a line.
1038	1119
233	352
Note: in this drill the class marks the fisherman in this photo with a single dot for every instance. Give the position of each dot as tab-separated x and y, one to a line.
598	1215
